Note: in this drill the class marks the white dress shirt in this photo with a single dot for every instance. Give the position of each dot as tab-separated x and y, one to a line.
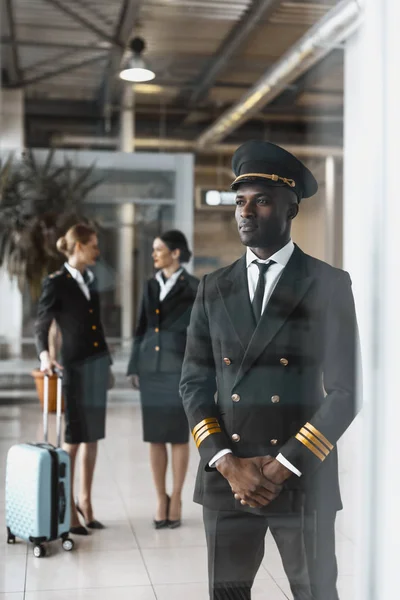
272	276
77	275
166	286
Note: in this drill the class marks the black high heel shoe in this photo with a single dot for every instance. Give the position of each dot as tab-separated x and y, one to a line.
79	530
175	524
164	522
92	524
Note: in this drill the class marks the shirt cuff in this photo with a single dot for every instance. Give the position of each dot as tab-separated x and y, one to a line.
220	454
287	464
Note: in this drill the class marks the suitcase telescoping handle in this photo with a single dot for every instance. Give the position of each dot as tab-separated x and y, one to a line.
46	407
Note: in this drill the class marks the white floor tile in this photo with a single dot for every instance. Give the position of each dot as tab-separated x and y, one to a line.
12	573
191	534
123	561
176	565
77	570
272	561
182	591
125	593
118	536
267	589
284	586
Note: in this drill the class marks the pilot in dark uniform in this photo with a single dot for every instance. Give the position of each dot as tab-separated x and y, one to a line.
268	385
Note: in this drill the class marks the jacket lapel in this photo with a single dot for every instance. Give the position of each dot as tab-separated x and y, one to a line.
154	293
290	290
234	291
74	285
180	285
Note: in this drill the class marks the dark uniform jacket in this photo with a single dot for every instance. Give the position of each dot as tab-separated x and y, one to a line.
160	336
78	319
287	386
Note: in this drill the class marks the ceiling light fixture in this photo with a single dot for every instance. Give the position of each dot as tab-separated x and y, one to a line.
136	70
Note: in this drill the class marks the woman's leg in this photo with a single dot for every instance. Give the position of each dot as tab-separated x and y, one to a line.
72	450
88	463
159	463
180	459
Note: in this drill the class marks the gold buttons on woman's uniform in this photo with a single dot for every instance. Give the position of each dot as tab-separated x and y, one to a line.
236	398
236	437
275	399
274	442
284	362
96	344
94	327
157	311
157	348
227	361
156	330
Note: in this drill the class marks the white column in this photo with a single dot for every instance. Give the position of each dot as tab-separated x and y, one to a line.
11	140
11	120
127	230
371	254
330	212
184	200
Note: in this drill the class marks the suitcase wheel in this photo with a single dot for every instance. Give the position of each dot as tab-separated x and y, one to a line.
10	537
39	551
68	544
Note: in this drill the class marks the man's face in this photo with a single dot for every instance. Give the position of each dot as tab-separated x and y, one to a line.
264	214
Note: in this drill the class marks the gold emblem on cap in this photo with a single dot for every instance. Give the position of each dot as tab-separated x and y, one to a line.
289	182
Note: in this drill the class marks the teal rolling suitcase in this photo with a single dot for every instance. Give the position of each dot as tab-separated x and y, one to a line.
38	499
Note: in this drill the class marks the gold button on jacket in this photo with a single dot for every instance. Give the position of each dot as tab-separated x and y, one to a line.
284	362
275	399
236	437
236	398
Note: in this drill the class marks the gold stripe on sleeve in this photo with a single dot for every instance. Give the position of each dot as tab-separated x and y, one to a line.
310	446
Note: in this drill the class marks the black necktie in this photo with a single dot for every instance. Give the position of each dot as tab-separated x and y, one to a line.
86	278
258	299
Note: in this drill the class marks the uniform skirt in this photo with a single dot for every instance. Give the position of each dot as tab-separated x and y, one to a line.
85	388
163	417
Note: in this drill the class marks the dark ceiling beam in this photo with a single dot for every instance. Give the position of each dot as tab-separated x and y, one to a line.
15	72
53	60
83	21
127	21
60	108
239	34
61	71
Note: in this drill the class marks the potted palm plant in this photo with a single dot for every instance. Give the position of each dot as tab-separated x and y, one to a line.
39	201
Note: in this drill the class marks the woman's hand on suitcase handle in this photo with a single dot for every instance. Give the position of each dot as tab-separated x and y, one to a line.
48	365
247	482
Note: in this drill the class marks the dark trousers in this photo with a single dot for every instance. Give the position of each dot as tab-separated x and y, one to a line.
235	542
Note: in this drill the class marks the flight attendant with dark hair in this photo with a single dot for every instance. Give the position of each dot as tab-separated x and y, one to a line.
155	366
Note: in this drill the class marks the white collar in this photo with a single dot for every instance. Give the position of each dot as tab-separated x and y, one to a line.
281	257
77	275
171	279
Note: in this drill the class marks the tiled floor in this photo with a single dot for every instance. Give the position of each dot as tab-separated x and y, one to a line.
130	560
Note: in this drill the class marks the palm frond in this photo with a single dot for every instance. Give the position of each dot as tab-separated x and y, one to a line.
39	201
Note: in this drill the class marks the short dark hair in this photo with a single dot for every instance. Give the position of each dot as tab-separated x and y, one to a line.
176	240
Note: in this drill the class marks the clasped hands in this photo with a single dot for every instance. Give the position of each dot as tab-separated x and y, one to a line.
257	481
